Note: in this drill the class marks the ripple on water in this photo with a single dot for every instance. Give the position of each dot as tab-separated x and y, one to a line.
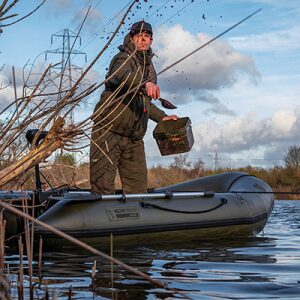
263	267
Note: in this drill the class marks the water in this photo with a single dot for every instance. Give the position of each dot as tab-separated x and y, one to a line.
264	267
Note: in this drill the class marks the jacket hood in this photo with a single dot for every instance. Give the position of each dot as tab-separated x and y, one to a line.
127	44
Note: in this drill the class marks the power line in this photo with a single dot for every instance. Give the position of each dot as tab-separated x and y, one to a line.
92	37
78	14
83	10
177	12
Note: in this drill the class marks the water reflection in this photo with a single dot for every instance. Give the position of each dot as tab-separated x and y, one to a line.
261	267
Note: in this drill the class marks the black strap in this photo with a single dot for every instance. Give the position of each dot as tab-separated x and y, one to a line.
149	205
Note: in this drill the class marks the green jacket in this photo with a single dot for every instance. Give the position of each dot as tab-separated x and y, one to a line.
129	115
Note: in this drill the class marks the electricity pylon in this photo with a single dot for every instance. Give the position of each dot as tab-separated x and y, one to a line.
67	52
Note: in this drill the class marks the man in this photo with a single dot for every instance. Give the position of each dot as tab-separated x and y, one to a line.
120	125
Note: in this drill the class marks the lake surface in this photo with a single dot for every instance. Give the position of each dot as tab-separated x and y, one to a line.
264	267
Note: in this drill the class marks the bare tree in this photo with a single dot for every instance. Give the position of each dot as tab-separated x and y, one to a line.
181	161
44	105
292	158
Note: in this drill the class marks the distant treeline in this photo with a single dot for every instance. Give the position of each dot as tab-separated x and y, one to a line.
281	179
65	172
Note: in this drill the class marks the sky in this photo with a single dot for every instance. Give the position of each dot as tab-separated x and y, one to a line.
241	92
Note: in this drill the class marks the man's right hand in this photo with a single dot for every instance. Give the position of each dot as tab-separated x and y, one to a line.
152	90
172	117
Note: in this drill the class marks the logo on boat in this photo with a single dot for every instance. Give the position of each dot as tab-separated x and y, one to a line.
123	213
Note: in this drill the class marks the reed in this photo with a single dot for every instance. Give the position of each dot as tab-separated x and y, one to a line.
54	295
70	293
94	270
46	293
112	266
40	260
4	285
20	283
2	240
28	244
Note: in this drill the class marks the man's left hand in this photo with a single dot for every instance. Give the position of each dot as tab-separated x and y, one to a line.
172	117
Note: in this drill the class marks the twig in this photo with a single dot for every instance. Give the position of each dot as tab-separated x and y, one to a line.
3	12
7	17
29	14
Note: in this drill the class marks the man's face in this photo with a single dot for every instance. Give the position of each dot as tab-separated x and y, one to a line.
142	41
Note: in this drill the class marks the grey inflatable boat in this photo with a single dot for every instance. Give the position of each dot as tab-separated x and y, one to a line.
224	205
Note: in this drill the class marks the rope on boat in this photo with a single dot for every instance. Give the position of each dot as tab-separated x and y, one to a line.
149	205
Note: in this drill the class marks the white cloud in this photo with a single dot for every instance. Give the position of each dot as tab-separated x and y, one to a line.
6	96
282	122
280	40
273	93
216	66
248	132
7	93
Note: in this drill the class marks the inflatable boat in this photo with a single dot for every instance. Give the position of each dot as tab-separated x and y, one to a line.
224	205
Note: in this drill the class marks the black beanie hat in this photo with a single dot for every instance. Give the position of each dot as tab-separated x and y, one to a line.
141	26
